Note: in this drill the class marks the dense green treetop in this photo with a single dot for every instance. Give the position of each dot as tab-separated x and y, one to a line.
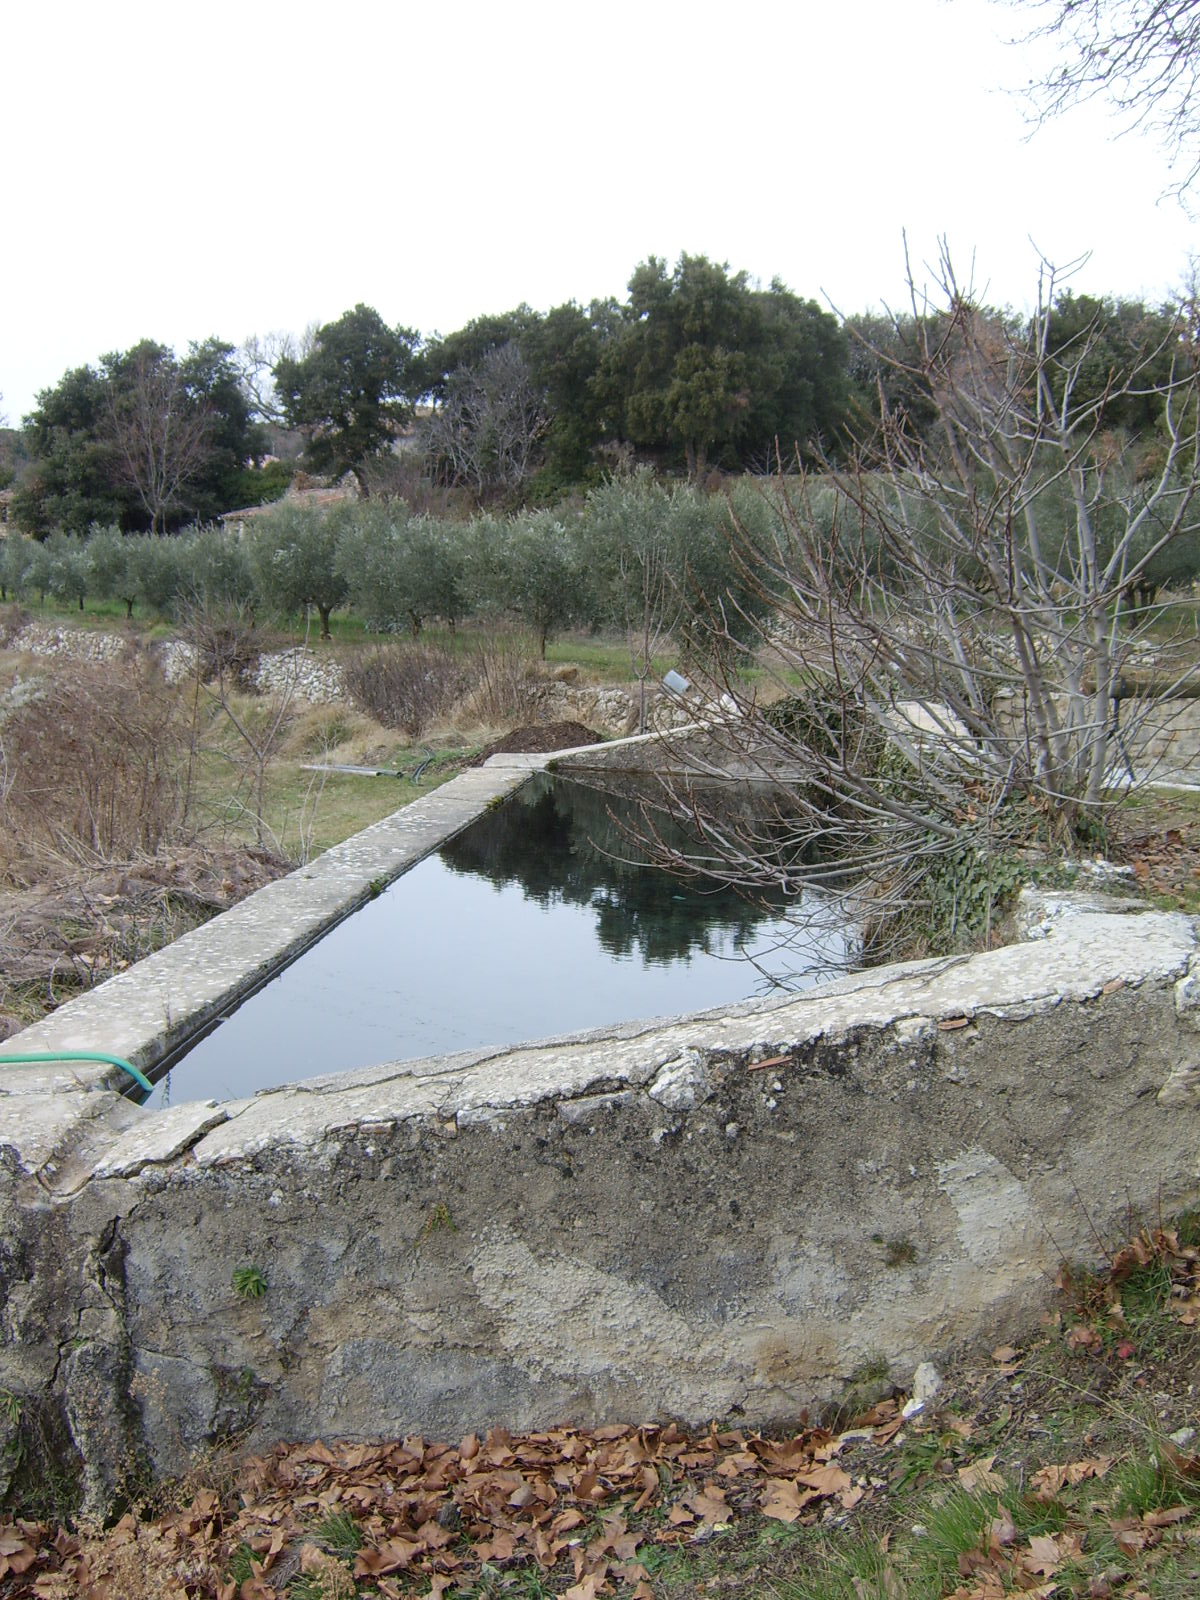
144	441
707	365
212	376
72	482
698	367
351	393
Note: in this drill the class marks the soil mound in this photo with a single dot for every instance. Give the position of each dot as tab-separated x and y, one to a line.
538	738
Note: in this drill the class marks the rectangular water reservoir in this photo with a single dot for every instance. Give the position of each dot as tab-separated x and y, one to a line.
538	919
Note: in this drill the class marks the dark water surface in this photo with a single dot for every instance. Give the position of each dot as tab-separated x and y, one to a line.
518	928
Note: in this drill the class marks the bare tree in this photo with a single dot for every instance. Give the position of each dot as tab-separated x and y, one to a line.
259	355
161	436
487	432
951	620
1143	56
224	647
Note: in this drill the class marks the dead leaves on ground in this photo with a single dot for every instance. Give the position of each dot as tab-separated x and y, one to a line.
1006	1564
582	1507
1099	1302
432	1515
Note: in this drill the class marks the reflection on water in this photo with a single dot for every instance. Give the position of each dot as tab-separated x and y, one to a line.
560	844
521	927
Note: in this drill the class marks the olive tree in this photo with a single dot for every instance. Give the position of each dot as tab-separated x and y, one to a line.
215	570
115	570
634	565
18	555
293	556
68	573
529	568
403	569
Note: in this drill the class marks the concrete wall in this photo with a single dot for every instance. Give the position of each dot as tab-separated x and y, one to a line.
1160	736
722	1214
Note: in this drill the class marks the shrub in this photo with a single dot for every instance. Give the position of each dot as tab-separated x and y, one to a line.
91	765
407	686
227	646
508	677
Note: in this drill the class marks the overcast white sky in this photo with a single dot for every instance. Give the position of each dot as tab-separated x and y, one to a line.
177	171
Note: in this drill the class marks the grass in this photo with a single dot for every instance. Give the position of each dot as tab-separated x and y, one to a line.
1158	835
302	812
305	812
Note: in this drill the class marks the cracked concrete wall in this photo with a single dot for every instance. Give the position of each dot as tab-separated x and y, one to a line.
718	1215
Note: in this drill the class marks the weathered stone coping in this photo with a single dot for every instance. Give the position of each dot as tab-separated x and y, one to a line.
666	1057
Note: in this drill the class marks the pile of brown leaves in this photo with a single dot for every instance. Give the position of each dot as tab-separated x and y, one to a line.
576	1503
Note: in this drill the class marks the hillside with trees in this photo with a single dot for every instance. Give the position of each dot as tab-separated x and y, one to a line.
697	369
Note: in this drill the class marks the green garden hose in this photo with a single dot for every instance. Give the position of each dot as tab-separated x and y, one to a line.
43	1057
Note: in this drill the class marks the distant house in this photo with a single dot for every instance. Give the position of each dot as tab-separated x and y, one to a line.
236	521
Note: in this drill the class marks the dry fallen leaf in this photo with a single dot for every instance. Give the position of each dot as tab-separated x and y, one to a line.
1048	1553
1163	1519
979	1475
783	1501
825	1480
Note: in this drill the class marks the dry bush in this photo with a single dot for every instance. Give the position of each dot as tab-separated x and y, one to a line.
407	686
508	674
13	619
316	731
226	649
91	767
77	927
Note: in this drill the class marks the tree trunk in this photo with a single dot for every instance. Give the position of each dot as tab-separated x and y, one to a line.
323	613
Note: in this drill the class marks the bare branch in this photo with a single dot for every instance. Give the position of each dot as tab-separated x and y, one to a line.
1141	56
